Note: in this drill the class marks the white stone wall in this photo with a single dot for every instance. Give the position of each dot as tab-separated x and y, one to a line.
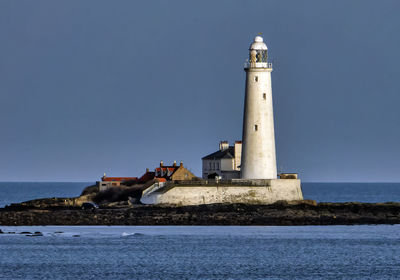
275	190
258	148
238	155
227	164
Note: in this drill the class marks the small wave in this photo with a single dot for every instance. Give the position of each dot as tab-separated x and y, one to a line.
124	234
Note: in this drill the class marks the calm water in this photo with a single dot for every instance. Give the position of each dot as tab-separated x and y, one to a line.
345	192
23	191
310	252
321	192
181	252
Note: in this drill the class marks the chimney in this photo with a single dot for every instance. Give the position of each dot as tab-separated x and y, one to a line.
223	145
161	163
147	170
181	164
174	163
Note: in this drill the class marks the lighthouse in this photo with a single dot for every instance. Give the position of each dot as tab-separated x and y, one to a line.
254	156
258	147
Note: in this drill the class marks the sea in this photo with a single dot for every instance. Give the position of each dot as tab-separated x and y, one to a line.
202	252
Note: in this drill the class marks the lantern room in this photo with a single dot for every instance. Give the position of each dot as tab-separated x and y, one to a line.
258	54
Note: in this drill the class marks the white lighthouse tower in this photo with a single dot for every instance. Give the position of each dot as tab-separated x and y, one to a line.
258	148
258	160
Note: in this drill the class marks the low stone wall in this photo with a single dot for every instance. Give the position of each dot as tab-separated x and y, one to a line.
235	191
231	182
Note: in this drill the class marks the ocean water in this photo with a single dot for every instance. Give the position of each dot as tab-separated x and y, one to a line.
12	192
321	192
201	252
346	192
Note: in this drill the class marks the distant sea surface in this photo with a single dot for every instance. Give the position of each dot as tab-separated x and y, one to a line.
11	192
202	252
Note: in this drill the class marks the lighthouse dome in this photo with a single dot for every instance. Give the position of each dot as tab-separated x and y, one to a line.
258	44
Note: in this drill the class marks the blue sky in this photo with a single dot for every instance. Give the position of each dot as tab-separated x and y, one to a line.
88	87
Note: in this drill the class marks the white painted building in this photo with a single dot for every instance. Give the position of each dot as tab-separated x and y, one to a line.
258	151
249	170
224	163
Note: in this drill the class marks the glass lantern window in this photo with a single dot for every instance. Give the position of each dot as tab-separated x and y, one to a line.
261	56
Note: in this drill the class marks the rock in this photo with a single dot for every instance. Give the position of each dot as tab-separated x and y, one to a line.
117	204
280	213
93	189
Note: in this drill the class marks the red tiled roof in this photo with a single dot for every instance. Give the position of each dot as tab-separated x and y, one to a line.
147	176
164	168
161	179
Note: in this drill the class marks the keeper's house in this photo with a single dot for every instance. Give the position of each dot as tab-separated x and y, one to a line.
224	163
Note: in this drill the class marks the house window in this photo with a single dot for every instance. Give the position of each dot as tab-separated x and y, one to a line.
256	79
256	127
209	165
264	96
217	165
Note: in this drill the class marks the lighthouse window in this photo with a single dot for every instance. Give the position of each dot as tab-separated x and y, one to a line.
256	127
264	96
256	78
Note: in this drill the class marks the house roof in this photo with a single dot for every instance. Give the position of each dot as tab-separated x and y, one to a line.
164	168
227	153
147	176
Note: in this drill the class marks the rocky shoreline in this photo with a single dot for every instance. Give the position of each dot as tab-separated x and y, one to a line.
305	212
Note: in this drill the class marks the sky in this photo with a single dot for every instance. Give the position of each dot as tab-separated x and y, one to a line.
88	87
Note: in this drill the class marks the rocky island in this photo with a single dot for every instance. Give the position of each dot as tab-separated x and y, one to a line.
122	208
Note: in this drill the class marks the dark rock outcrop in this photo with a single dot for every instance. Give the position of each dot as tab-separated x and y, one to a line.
280	213
93	189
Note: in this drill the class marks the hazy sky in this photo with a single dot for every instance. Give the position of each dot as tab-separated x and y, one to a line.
88	87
